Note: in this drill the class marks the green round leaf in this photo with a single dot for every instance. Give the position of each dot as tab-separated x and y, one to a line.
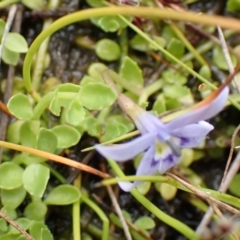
24	223
47	140
219	59
14	197
144	223
10	212
8	236
63	195
13	131
36	229
20	106
176	48
11	175
2	27
3	225
108	50
67	136
131	72
96	96
234	186
35	179
109	23
28	133
34	5
35	210
16	43
10	57
75	113
167	191
46	234
114	130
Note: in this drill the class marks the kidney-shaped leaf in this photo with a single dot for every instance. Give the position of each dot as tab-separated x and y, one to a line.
13	198
47	140
96	96
67	136
63	195
75	113
35	179
11	175
20	106
16	43
108	50
35	210
144	223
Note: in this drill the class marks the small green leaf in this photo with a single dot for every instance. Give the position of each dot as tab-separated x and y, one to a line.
9	212
28	133
2	27
93	127
219	59
233	5
13	131
176	48
96	96
10	57
16	43
67	136
63	195
167	191
35	210
131	72
109	23
35	179
75	113
20	106
13	198
172	76
139	43
95	3
69	87
3	225
176	91
11	175
24	223
108	50
46	234
113	130
205	71
187	157
144	223
8	236
144	188
159	105
47	140
35	230
34	5
234	186
95	71
55	106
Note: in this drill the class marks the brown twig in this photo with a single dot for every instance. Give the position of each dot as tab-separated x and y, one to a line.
14	224
204	195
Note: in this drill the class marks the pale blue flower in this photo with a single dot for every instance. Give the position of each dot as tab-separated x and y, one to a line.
162	142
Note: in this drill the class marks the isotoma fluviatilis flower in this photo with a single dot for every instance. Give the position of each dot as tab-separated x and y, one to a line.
162	142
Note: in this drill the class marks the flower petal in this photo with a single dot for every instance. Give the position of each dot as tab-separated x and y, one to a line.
192	135
147	166
202	113
125	151
166	160
148	123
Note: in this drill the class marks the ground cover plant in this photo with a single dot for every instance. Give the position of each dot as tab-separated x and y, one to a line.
100	96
